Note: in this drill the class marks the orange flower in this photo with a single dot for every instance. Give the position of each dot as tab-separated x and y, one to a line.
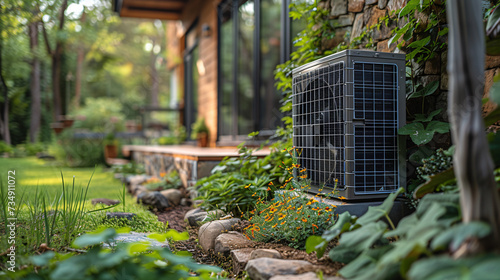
268	188
162	174
275	225
247	186
282	223
341	197
304	220
297	227
314	226
254	194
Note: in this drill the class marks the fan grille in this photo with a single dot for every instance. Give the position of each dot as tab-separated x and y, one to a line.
319	126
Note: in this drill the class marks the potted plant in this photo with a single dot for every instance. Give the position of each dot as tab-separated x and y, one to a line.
199	131
110	146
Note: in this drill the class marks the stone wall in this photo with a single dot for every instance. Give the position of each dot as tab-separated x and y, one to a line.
352	17
190	170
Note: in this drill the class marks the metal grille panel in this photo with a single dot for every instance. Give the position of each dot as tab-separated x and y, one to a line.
375	138
319	126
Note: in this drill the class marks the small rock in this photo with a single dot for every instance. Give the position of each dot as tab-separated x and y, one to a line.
195	218
186	201
357	27
339	7
135	190
153	199
209	232
265	253
136	179
120	215
226	242
356	5
132	237
371	2
105	201
382	4
304	276
265	268
173	195
45	156
240	258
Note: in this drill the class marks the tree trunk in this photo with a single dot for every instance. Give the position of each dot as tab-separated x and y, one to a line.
36	101
78	78
155	83
4	110
472	160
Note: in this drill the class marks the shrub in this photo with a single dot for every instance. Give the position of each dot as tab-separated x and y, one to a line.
170	180
236	183
5	148
290	218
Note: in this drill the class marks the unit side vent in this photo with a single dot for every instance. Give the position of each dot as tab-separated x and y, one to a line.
318	115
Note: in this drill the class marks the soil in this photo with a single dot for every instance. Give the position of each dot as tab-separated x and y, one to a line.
175	218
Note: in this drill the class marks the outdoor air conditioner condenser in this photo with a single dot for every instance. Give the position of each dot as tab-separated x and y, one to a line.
347	108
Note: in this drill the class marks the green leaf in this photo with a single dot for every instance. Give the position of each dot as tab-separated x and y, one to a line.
313	241
492	117
424	269
457	234
91	239
427	90
342	224
421	137
434	182
411	128
415	243
374	213
493	22
363	237
138	247
494	94
489	269
43	259
160	237
409	8
365	264
439	127
427	118
176	236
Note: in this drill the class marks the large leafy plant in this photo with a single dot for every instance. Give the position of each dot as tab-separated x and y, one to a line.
373	249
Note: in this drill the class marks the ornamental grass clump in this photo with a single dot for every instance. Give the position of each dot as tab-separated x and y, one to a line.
291	216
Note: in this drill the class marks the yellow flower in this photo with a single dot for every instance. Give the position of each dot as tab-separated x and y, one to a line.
247	186
275	225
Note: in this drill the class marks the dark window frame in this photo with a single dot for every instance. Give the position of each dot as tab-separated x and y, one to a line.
285	50
190	111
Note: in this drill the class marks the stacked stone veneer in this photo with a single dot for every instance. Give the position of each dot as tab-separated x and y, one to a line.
352	17
189	170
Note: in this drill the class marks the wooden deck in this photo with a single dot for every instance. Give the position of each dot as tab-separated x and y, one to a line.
189	152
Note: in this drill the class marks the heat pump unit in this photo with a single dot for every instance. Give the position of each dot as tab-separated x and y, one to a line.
347	108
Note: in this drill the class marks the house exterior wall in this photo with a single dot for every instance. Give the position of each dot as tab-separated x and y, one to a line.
206	13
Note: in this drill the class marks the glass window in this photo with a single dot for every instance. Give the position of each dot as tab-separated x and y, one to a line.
250	47
246	18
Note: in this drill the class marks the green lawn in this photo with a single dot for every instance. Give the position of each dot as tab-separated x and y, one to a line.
33	173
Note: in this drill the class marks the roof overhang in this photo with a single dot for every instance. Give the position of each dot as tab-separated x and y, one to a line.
153	9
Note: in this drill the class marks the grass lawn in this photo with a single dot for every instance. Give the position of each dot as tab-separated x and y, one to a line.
34	177
46	175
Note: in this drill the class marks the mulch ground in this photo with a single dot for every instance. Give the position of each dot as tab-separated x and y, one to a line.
175	218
